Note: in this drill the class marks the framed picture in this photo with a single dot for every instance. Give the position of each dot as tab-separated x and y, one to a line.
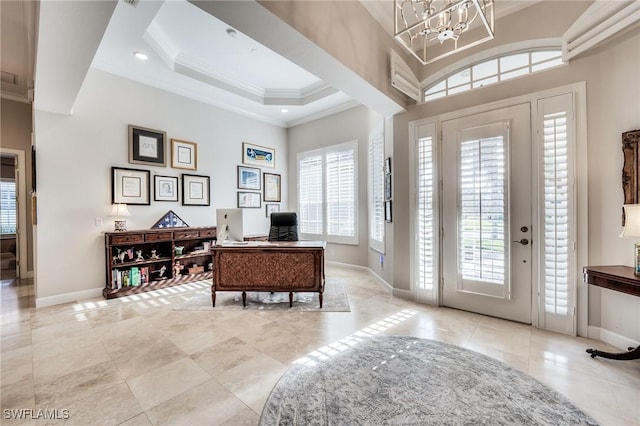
146	146
387	165
195	190
249	200
130	186
184	155
165	188
387	211
248	178
271	187
270	208
256	155
387	186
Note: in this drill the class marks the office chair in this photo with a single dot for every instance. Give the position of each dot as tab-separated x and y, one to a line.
284	226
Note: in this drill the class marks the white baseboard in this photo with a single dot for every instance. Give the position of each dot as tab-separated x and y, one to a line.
58	299
611	338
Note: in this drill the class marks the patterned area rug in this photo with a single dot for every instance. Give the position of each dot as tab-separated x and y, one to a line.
395	380
334	299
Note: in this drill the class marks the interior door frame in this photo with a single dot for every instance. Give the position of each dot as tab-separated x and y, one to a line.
21	237
581	191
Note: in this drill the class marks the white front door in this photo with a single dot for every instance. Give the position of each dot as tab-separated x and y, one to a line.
487	213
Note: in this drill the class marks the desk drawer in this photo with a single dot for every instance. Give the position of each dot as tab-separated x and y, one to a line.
185	235
124	239
159	236
207	232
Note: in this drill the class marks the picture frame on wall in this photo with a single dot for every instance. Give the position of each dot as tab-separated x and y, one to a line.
387	211
147	146
387	165
249	178
130	186
256	155
195	190
184	155
249	200
270	208
272	187
387	187
165	188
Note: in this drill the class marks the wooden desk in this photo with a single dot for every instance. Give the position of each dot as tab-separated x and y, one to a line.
617	278
268	266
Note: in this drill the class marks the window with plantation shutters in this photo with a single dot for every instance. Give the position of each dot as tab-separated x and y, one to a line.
7	207
376	191
556	209
482	210
327	193
425	225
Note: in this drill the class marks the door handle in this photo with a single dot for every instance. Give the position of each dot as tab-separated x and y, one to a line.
523	241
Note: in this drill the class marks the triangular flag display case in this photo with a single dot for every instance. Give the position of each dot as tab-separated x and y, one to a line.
170	220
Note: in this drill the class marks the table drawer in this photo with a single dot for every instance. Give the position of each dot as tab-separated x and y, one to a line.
159	236
208	233
184	235
129	238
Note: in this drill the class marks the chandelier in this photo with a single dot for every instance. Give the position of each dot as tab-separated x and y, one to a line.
434	29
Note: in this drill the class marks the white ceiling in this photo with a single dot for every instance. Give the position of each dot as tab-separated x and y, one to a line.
193	54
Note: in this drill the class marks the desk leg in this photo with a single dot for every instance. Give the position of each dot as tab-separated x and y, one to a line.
244	298
290	299
320	299
631	354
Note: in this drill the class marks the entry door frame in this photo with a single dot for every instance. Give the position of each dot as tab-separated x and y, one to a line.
581	191
21	235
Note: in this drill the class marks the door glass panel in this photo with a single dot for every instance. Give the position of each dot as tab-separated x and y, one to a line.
482	210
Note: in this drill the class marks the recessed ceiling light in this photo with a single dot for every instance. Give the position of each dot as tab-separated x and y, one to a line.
283	110
141	55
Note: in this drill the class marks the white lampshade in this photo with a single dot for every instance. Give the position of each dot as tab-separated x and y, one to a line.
120	210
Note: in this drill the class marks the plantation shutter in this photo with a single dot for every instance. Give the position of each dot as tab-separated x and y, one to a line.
7	207
376	192
425	222
310	199
340	172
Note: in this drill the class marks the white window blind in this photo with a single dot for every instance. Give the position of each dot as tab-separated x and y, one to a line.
376	192
556	213
425	223
482	210
310	202
327	193
7	207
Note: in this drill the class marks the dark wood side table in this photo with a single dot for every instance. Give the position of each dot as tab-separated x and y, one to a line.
617	278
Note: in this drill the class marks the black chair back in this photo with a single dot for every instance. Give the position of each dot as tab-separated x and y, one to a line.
284	226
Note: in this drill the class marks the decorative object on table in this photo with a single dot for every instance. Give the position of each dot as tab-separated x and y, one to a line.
195	190
161	272
154	255
120	211
165	188
184	155
121	255
437	381
170	220
248	178
630	172
256	155
249	200
271	187
130	186
434	29
271	208
387	211
139	255
210	266
179	250
632	229
147	146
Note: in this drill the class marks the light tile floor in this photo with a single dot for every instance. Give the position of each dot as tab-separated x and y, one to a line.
137	361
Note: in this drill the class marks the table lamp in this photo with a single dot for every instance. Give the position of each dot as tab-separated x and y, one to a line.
119	211
632	229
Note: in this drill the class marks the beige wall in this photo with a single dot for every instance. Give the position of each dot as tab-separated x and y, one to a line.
16	134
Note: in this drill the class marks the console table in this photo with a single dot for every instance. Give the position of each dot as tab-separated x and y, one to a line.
617	278
268	266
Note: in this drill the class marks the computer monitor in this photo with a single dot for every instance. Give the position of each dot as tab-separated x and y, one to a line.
229	225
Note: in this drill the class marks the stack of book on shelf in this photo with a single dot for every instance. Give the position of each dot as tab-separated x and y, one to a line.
132	277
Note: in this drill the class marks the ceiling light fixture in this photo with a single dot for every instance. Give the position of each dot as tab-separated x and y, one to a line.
419	24
141	55
284	110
